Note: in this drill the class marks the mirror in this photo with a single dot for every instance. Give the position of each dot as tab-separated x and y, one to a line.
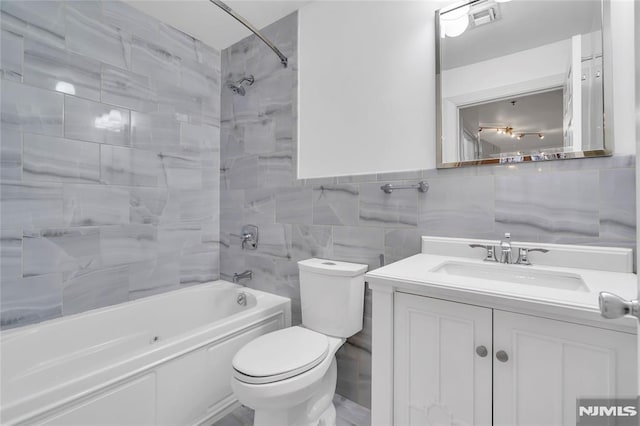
519	81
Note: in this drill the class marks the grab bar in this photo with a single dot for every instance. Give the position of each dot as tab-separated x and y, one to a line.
421	186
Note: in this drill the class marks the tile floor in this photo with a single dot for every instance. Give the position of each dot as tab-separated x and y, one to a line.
348	414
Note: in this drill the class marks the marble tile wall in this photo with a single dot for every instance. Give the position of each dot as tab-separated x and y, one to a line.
588	201
109	158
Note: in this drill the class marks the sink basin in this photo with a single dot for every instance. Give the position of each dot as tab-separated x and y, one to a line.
513	274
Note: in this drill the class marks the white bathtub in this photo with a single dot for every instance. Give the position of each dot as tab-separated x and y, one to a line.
165	359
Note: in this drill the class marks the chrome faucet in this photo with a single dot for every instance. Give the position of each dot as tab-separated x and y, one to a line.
242	276
505	249
491	252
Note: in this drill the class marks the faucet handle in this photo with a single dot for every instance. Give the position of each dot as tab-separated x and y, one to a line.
523	255
507	236
491	252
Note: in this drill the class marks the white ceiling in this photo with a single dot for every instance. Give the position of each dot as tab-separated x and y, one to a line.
205	21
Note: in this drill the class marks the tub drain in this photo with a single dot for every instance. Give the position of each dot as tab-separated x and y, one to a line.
154	339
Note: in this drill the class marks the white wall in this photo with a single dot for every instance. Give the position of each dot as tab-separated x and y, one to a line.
622	64
366	87
519	72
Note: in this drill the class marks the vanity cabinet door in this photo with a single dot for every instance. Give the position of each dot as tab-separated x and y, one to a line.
442	362
542	366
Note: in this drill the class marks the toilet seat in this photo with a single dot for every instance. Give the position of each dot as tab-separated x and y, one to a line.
280	355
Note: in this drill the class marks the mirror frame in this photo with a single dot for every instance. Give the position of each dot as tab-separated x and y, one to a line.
606	151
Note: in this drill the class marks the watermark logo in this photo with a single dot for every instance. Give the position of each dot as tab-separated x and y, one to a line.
604	411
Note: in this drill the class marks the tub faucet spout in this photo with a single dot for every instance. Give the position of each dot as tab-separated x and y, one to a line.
242	275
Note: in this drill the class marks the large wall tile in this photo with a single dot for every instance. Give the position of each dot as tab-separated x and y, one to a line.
11	58
259	206
10	154
311	241
60	70
173	99
95	122
182	168
240	173
10	254
154	131
198	205
31	109
358	245
31	204
154	206
88	205
176	238
294	205
199	265
458	206
84	290
275	169
30	300
259	136
180	44
127	90
154	276
155	61
127	18
335	205
402	243
86	31
275	240
42	20
200	138
132	167
397	209
551	205
617	213
124	244
60	250
60	160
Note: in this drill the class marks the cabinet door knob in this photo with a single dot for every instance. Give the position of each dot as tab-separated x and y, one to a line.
502	356
482	351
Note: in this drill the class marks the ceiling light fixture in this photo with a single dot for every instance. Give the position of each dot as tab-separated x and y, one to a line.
508	130
455	22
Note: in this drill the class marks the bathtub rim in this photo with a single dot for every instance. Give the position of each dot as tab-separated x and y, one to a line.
8	334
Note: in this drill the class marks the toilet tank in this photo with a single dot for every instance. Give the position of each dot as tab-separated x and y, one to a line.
332	296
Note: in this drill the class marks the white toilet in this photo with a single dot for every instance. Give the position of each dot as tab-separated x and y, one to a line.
289	376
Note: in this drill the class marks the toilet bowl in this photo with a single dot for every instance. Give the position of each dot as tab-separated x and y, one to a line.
289	376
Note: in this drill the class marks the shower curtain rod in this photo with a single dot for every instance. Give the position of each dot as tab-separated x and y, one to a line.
223	6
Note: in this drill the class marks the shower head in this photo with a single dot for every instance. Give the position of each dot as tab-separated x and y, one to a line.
238	87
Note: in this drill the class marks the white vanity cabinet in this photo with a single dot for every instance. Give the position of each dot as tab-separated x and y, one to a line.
438	374
552	363
459	364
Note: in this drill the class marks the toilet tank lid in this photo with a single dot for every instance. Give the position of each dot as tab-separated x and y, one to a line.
332	267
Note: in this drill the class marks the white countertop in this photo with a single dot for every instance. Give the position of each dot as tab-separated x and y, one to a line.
413	275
